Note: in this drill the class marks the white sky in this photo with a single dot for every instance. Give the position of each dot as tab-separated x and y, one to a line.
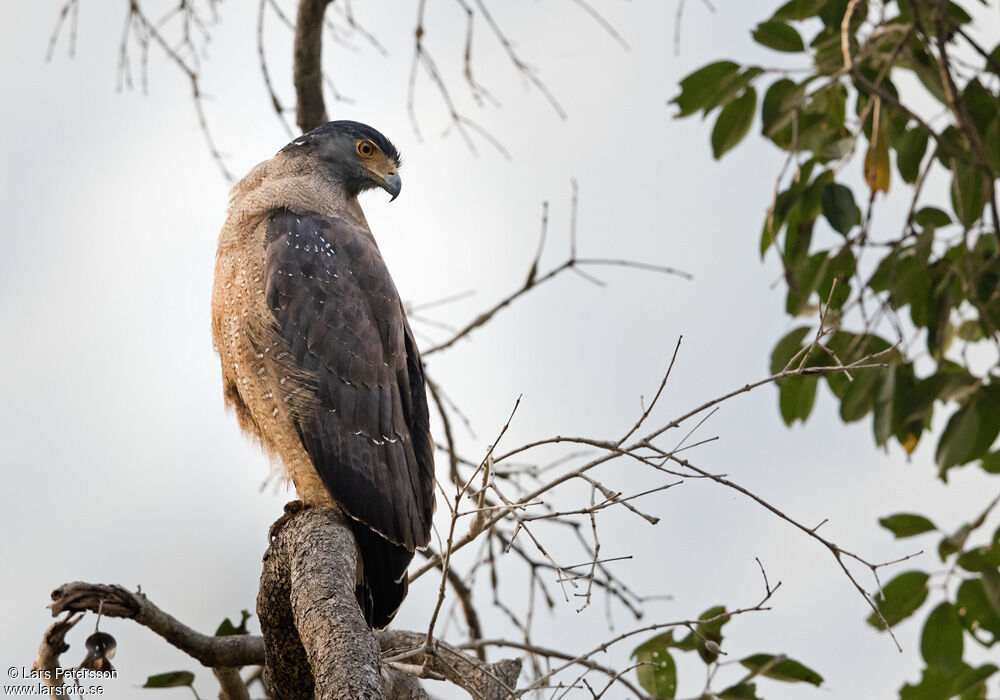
121	465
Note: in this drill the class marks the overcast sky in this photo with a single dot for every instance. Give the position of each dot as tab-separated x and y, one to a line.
121	465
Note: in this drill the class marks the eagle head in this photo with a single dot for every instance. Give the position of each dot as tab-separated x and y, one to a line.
357	156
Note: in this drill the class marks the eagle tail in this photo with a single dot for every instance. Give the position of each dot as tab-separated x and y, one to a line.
383	578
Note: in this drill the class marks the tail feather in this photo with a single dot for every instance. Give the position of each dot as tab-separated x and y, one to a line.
383	575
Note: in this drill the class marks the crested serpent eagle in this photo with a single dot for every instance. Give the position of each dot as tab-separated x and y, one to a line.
318	360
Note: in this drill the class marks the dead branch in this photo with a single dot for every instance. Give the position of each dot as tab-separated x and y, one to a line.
146	32
496	681
535	278
225	655
307	74
116	601
646	451
309	569
231	684
53	644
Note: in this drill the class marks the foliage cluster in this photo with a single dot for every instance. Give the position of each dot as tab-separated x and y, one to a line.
906	83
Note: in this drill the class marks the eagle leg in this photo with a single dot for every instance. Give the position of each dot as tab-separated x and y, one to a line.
292	508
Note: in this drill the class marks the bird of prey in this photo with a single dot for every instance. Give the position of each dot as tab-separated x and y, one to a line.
318	360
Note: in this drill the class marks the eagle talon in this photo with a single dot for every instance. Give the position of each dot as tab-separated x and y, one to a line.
292	508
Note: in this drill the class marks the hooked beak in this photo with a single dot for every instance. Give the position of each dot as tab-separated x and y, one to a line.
392	184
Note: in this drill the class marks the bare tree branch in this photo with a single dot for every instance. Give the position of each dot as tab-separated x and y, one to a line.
308	542
307	74
116	601
53	644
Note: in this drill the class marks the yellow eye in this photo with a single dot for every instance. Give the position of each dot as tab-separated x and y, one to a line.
366	149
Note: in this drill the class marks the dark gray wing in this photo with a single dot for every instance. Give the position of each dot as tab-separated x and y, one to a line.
337	308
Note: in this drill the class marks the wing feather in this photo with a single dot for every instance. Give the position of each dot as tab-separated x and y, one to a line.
336	307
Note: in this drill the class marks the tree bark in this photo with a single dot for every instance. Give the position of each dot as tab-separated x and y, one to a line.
317	643
116	601
307	74
483	681
316	640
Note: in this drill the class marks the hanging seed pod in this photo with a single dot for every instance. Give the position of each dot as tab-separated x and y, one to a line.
101	648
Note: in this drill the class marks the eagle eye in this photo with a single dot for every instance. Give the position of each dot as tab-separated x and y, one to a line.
365	148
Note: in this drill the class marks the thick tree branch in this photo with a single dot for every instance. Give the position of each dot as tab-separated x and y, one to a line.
307	74
53	644
316	639
400	685
116	601
317	642
231	684
312	624
496	681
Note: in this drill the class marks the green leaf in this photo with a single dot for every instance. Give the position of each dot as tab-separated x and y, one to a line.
937	684
991	585
839	208
787	348
784	669
941	641
798	9
806	277
976	610
980	560
710	631
833	11
838	149
970	431
840	268
910	152
884	408
954	542
227	628
971	330
859	398
918	401
991	463
980	104
956	384
698	88
740	691
907	524
952	148
967	198
941	298
932	217
171	679
658	672
798	234
733	122
991	142
657	643
778	110
902	597
827	55
994	63
796	397
778	36
956	14
730	86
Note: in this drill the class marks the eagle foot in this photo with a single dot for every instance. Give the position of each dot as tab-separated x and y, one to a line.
292	508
